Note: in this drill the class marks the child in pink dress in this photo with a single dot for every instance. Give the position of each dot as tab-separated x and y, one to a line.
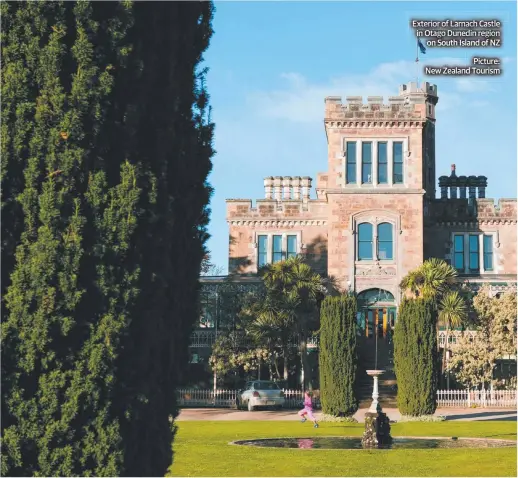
308	410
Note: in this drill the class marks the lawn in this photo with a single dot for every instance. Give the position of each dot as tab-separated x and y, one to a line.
201	448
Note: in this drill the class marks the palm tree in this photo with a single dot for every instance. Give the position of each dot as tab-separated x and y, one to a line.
431	280
301	290
453	313
412	282
271	325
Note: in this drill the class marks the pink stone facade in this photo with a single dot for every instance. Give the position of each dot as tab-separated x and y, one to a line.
369	187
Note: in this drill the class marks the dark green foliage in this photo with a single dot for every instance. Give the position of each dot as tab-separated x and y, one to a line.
106	149
415	357
338	355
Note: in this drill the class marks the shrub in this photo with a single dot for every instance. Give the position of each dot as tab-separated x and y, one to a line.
421	418
332	419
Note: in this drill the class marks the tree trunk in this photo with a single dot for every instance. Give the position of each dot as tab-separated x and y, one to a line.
285	355
445	352
275	360
303	348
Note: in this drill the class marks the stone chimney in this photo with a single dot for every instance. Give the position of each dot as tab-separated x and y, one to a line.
286	187
268	187
277	188
463	181
297	184
453	185
472	187
482	185
306	188
443	184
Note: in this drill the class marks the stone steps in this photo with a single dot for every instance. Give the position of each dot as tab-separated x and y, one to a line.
367	361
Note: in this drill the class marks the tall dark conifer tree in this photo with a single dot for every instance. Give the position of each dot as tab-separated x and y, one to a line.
416	357
106	145
338	355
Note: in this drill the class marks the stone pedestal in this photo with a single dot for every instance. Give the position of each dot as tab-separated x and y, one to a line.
377	430
377	424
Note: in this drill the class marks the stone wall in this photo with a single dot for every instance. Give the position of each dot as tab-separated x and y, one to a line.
307	219
450	216
405	118
423	225
455	210
404	211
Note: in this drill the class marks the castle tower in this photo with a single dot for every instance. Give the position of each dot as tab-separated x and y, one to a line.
381	161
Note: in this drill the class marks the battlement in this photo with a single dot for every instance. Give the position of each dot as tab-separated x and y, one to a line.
474	210
413	87
409	104
270	209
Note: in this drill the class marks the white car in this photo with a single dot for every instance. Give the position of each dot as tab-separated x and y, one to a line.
261	393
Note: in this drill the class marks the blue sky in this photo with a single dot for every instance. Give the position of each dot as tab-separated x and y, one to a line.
272	63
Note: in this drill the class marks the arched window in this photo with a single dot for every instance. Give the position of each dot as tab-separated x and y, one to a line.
385	242
365	241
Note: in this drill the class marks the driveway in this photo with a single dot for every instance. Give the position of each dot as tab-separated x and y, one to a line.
464	414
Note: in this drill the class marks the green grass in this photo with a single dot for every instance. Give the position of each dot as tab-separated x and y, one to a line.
201	448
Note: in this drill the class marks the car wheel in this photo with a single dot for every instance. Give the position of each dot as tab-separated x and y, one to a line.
251	408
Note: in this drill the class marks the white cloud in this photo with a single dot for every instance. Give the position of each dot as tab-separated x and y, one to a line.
472	85
301	101
480	103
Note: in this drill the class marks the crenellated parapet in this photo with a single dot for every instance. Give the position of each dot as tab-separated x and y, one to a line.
483	210
410	105
243	212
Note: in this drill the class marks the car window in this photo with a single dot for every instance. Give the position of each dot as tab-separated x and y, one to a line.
266	386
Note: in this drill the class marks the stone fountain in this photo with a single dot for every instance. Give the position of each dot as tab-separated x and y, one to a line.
377	424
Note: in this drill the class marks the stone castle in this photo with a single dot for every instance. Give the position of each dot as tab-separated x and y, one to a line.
376	215
375	218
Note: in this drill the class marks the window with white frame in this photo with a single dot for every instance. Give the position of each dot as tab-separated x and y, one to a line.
473	252
262	247
375	242
397	165
276	247
351	162
367	163
375	161
382	163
